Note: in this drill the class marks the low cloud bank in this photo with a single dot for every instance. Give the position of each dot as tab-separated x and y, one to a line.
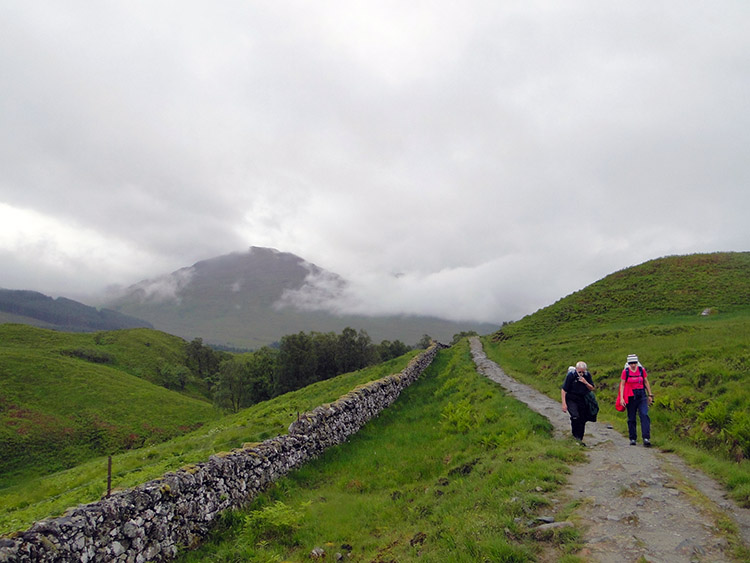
164	288
485	293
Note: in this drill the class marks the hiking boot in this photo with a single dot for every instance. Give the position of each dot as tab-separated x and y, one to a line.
647	442
632	442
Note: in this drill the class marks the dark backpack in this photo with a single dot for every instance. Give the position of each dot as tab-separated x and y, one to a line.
593	405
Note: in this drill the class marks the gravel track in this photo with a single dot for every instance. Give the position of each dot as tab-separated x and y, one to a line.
640	504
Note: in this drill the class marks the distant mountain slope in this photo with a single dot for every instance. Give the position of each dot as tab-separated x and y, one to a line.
31	307
684	285
237	300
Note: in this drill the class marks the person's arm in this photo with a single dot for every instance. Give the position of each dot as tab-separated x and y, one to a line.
564	404
622	391
648	390
589	384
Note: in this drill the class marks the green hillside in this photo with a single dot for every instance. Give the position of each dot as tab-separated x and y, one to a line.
673	286
41	497
65	397
699	366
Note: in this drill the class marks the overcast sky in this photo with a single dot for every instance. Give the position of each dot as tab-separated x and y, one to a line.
469	159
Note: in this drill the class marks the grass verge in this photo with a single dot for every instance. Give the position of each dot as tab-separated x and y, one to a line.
455	470
698	372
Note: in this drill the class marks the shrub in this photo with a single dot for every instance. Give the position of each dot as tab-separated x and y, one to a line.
740	432
716	415
459	417
95	356
274	522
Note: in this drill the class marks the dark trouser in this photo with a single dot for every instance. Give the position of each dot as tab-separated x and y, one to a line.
639	403
578	414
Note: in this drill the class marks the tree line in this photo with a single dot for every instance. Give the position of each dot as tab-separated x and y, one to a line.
237	381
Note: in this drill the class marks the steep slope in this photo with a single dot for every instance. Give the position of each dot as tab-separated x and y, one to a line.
66	397
238	300
674	285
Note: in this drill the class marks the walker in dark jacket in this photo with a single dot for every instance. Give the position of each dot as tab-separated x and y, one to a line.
577	385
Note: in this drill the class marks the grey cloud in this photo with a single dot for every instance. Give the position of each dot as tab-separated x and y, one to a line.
521	151
322	291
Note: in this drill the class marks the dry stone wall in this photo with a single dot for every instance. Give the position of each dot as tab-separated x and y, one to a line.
152	521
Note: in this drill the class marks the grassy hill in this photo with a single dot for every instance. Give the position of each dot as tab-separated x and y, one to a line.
65	397
671	286
35	498
699	366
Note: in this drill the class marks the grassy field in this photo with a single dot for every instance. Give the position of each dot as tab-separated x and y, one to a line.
68	397
454	471
36	498
138	352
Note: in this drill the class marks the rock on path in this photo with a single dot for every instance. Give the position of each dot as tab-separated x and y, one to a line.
638	502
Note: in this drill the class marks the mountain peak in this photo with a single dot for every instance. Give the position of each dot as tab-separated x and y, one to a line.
258	274
257	296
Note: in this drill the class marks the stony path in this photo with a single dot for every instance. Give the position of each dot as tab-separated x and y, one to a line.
640	504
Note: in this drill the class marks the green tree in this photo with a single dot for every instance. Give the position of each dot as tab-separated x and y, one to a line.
233	389
325	346
262	366
355	351
202	360
297	363
424	342
306	358
388	350
461	335
368	352
398	348
346	352
173	376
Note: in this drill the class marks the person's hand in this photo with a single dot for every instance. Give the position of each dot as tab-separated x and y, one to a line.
650	399
565	407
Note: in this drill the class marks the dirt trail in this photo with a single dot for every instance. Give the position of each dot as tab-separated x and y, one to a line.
639	502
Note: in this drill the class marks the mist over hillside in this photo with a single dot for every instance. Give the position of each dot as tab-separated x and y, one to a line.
253	298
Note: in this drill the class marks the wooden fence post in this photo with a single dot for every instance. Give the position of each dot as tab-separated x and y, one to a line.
109	476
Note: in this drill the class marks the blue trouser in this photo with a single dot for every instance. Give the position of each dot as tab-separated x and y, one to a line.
639	403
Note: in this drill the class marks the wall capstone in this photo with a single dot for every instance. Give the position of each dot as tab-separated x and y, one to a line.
152	521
